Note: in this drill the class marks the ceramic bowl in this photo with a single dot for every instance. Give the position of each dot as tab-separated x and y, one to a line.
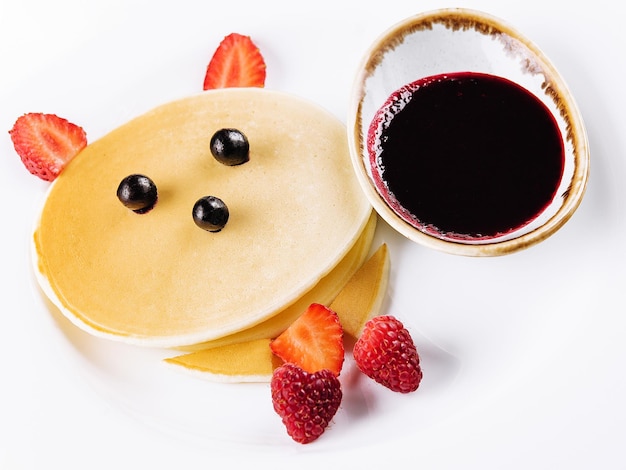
447	41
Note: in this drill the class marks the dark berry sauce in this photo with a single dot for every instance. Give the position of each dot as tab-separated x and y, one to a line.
466	155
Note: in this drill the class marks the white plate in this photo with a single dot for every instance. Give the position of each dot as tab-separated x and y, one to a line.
522	355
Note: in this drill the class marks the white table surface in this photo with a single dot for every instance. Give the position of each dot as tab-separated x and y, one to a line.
523	356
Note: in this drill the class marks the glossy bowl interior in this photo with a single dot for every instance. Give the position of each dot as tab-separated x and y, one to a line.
461	40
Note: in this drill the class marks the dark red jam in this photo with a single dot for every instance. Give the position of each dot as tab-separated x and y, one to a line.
466	155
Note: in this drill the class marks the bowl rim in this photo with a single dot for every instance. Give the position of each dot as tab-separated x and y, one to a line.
464	18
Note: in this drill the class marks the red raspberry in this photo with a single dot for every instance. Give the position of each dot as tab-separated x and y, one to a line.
386	353
306	402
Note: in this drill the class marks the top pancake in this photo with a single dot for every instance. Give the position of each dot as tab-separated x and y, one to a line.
157	279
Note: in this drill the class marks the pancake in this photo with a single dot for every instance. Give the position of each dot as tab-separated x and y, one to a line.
329	289
157	279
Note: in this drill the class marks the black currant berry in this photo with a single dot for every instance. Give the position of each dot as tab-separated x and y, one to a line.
138	193
230	147
210	213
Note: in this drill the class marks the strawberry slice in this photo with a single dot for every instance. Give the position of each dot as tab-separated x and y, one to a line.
313	342
237	62
46	143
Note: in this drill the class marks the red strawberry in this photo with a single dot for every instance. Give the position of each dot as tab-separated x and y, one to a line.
237	62
46	143
313	342
305	402
386	353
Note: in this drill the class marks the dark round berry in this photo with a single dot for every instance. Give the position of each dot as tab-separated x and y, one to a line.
138	193
210	213
230	147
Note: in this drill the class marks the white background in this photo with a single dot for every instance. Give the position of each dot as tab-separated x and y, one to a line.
523	356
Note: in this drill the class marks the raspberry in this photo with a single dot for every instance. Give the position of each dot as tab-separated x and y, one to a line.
386	353
306	402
